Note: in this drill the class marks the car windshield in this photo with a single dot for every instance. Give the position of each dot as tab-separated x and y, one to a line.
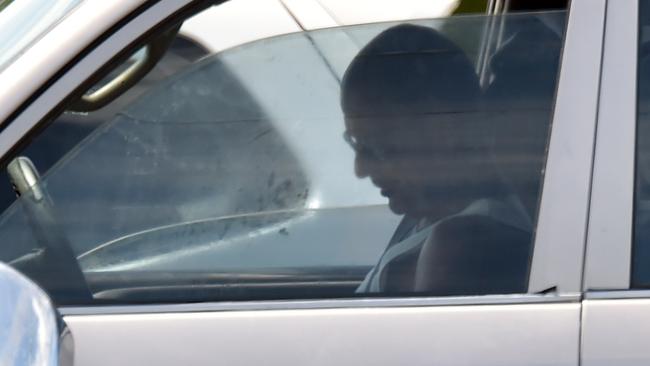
23	22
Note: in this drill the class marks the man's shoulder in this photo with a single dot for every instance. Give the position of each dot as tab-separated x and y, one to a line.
475	228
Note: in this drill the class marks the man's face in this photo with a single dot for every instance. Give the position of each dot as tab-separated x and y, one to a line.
426	165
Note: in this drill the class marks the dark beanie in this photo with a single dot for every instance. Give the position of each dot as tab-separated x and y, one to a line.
409	69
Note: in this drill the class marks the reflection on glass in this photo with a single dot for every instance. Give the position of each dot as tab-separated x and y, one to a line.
352	161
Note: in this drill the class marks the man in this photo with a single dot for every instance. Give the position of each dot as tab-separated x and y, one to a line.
411	100
415	117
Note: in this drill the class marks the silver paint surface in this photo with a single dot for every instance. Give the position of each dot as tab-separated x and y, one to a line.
561	227
609	237
539	334
616	332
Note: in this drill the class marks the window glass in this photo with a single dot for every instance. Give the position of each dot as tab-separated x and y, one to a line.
640	277
388	159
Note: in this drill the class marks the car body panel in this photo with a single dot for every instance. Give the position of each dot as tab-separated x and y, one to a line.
609	245
561	228
544	334
615	330
615	321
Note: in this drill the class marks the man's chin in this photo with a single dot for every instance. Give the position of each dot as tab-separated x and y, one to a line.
408	207
397	206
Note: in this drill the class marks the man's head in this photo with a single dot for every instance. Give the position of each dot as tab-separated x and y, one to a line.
410	99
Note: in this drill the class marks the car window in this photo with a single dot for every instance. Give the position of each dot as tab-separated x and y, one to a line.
640	277
387	159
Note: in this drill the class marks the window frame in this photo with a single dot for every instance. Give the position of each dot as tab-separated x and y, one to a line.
558	254
611	220
559	242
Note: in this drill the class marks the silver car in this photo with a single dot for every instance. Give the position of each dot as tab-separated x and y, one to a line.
467	189
32	330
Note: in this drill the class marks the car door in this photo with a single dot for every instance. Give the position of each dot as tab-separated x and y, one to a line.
616	298
267	262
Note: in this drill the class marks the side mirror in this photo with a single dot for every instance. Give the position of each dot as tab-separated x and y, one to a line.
31	330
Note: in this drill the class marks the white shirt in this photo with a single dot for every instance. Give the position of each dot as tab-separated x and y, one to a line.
509	211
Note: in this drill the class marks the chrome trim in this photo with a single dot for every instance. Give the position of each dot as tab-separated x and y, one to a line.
561	228
321	304
617	294
609	236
